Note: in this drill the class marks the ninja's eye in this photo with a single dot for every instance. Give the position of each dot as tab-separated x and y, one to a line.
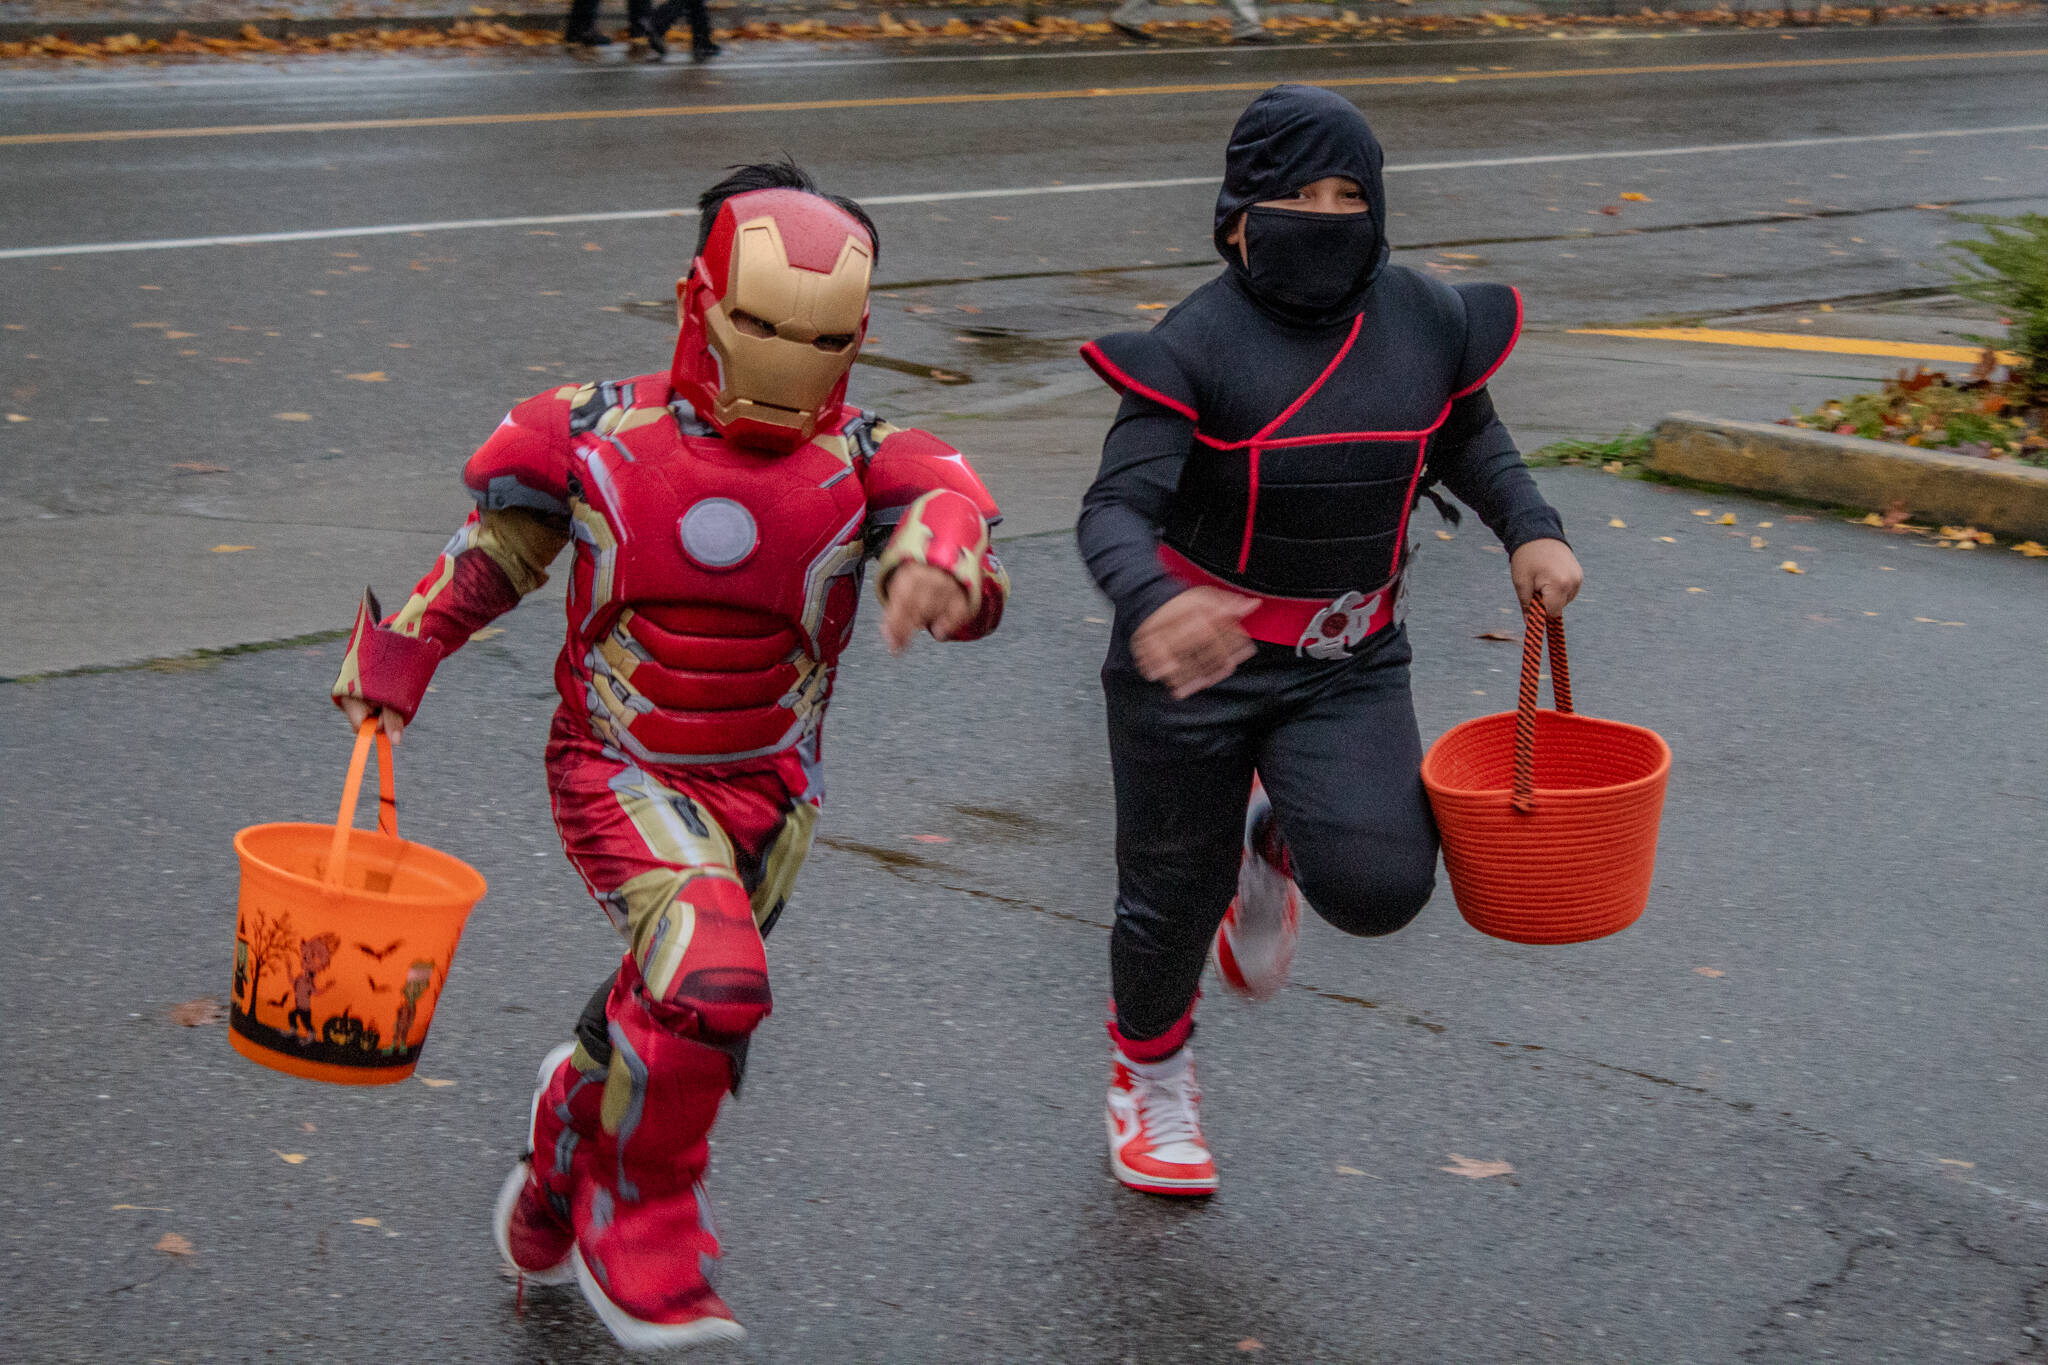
751	325
838	341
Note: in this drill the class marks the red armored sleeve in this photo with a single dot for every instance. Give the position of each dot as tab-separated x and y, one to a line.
940	514
519	478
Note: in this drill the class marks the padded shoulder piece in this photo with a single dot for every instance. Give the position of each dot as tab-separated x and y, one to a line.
908	463
1493	323
1139	363
525	463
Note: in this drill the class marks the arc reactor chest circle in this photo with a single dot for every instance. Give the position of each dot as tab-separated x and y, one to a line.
719	533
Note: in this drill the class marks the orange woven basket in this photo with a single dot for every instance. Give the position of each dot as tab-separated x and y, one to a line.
1549	818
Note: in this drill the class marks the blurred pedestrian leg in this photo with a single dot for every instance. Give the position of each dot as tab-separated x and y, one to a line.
1131	16
581	30
702	49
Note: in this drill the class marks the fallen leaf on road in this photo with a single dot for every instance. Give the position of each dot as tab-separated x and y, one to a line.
1251	1344
434	1082
1725	519
1935	208
179	336
290	1158
2032	549
1798	516
1695	589
309	1128
149	324
171	1244
1635	198
371	377
1617	523
1609	210
1930	621
1349	1170
1791	566
1152	307
16	417
1494	635
293	416
1968	534
141	1208
367	1222
1763	526
1757	542
231	549
195	467
1708	971
1895	515
931	838
1951	1161
1476	1170
198	1013
1703	511
1445	535
592	246
1669	540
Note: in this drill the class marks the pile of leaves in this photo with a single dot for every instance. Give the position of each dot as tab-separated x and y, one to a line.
1982	414
1214	24
1976	415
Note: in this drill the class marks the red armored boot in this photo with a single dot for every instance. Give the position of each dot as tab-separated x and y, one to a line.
646	1248
532	1216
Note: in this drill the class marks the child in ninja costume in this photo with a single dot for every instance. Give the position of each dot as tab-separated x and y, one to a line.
1249	523
722	514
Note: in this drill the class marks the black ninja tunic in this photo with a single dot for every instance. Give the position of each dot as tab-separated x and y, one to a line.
1277	429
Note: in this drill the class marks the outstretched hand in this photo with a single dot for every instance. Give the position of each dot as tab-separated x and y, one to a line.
920	597
357	710
1194	641
1546	570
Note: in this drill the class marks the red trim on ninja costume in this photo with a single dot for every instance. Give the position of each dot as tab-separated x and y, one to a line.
1337	437
1408	504
1154	1049
1251	509
1298	404
1107	370
1505	351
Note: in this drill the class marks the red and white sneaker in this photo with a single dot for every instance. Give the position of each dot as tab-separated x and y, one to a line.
1155	1127
533	1234
1255	943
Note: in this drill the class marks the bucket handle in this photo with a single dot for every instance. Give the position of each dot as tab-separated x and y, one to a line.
387	795
1540	625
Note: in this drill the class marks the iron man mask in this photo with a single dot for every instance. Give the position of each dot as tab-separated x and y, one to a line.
772	314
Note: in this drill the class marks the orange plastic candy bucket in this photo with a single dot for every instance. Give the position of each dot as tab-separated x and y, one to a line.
1549	818
343	939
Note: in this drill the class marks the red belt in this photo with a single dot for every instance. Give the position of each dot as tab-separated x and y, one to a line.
1320	628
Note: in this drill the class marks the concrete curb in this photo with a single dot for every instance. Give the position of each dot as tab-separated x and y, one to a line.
1818	466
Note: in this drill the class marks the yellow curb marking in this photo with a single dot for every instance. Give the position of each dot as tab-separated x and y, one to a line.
999	97
1799	341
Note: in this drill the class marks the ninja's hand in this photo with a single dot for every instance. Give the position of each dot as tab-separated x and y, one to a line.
357	710
1194	641
1547	569
922	598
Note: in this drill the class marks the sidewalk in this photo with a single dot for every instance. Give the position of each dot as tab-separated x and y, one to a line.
228	24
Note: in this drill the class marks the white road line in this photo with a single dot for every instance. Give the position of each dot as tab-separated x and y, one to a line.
89	85
21	253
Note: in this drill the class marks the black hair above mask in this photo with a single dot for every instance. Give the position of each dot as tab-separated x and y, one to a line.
1290	136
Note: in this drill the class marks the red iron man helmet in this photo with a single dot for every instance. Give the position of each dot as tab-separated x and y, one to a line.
772	313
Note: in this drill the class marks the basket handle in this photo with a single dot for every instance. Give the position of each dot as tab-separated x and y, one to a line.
1539	626
387	795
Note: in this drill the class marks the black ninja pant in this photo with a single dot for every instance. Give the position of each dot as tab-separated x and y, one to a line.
1337	746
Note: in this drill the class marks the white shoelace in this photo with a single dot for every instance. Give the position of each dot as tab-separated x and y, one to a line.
1166	1106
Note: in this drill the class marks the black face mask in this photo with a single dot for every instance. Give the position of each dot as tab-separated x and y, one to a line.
1308	268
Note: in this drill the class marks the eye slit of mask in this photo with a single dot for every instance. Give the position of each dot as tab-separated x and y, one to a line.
835	343
751	325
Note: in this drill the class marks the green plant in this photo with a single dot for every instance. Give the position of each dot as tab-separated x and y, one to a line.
2010	272
1628	450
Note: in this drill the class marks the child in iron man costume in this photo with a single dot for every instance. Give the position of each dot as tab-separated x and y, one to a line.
722	515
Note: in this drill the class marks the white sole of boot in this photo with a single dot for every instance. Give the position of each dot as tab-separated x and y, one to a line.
508	1193
636	1335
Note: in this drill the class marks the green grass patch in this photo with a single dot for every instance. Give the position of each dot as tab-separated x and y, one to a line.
1621	454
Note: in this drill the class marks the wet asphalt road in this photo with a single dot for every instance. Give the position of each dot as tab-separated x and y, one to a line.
1794	1114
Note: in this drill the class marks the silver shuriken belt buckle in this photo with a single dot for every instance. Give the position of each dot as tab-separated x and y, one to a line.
1338	628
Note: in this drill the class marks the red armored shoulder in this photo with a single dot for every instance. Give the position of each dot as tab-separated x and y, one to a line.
908	463
525	463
